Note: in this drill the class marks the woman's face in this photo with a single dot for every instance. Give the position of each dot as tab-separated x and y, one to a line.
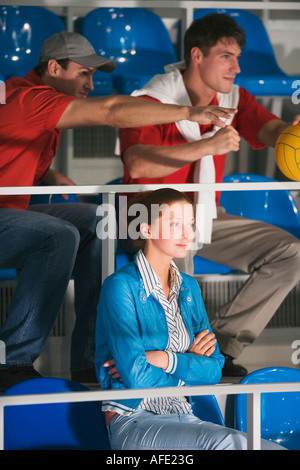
173	232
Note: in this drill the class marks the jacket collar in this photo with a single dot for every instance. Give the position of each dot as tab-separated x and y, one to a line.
184	290
151	281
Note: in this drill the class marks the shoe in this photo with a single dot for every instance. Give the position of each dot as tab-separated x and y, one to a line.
14	375
84	376
232	370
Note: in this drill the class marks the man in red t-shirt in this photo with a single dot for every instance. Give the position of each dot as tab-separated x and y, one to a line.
49	243
176	153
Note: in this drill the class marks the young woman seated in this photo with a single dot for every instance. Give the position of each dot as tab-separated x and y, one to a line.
152	331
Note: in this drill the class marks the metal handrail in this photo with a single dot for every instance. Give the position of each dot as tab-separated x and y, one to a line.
253	392
132	188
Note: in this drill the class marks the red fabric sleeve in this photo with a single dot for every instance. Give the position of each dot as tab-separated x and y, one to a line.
147	135
250	118
42	107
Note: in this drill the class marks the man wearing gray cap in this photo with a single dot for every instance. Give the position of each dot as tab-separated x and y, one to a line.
51	243
76	48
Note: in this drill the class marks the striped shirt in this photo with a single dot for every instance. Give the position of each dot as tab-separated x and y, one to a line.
178	339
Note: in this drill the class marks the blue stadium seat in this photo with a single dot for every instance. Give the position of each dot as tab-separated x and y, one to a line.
280	412
103	84
276	207
206	407
57	426
260	73
7	274
205	266
22	33
135	38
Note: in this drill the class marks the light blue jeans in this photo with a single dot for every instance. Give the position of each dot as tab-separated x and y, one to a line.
49	244
144	430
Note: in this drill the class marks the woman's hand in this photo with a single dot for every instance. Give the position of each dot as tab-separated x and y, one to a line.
158	359
113	371
155	358
203	344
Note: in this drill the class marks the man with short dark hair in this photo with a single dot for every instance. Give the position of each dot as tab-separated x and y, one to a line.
188	153
50	243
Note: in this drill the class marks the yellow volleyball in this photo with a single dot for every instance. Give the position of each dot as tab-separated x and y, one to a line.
287	152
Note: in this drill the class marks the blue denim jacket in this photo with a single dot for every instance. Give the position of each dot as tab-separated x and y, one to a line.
129	323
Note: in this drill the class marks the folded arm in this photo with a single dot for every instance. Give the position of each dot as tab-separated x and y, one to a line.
160	160
119	325
141	368
203	345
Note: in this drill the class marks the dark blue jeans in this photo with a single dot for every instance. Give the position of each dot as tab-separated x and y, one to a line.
50	244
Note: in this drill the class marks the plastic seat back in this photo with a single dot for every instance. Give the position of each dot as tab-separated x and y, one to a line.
61	426
276	207
205	266
260	73
206	408
23	29
135	38
280	412
7	274
103	84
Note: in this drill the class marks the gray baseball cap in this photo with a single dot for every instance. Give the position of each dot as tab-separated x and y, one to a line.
73	46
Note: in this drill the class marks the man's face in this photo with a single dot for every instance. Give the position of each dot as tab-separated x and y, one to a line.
219	68
76	80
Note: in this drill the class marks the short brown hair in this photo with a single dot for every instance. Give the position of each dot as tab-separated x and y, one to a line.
205	32
42	68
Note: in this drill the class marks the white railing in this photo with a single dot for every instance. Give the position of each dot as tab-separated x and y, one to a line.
252	390
188	5
183	4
